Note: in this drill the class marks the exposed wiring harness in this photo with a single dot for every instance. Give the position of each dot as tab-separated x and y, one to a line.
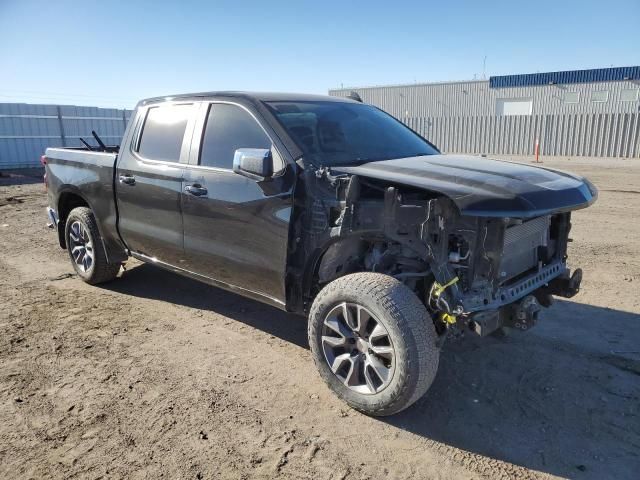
438	302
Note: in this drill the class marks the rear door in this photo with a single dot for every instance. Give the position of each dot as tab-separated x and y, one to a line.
235	228
149	181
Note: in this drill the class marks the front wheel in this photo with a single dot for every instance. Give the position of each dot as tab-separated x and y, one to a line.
373	342
84	245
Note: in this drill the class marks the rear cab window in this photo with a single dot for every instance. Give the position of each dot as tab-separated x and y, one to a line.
163	132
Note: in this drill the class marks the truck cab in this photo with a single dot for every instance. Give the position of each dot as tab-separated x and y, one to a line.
184	203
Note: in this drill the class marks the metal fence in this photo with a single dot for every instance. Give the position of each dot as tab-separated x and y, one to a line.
476	98
26	130
590	135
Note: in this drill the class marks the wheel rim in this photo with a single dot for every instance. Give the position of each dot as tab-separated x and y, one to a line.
81	246
358	348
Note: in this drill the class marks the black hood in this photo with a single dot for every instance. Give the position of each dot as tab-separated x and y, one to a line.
485	187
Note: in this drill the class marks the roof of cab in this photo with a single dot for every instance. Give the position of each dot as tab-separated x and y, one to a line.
251	96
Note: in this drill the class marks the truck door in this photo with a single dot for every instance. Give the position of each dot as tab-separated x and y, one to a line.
236	228
149	181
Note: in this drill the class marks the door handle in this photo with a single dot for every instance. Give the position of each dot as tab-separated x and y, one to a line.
196	189
127	179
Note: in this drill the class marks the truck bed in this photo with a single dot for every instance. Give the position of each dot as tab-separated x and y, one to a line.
79	173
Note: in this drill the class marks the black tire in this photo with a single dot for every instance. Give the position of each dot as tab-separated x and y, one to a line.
100	270
409	328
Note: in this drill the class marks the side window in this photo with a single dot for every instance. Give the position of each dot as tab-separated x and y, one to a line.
228	128
599	96
571	97
163	132
629	95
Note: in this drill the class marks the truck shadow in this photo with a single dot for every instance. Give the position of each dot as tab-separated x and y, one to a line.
562	399
147	281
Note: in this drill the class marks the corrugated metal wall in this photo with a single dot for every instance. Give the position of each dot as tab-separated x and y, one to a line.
462	117
590	135
26	130
475	98
566	77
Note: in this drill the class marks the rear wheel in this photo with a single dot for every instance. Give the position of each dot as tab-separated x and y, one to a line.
373	342
84	245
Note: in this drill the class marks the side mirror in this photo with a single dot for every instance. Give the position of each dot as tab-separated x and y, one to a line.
255	163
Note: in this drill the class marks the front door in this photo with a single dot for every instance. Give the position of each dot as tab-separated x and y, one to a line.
149	182
235	228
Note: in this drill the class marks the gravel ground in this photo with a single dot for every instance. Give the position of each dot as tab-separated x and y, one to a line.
157	376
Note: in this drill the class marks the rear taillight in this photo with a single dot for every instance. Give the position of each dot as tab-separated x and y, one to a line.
43	162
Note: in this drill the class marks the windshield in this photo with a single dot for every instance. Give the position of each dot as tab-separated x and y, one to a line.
337	133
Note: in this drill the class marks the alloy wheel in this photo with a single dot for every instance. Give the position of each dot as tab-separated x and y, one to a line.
81	246
358	348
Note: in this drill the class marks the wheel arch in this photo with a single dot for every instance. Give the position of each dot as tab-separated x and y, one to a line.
325	262
69	198
320	264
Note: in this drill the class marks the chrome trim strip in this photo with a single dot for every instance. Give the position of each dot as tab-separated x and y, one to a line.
209	169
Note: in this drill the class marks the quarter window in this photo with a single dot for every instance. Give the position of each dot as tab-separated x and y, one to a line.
229	127
163	132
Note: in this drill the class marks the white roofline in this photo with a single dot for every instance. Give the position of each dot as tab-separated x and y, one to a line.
403	85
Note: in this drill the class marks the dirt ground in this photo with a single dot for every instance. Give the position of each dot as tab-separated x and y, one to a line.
158	376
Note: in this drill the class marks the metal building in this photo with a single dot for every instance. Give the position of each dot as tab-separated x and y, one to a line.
584	112
26	130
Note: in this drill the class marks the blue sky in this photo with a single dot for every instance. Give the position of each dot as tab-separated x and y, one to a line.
111	53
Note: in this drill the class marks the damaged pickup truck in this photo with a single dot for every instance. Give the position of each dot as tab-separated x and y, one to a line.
329	208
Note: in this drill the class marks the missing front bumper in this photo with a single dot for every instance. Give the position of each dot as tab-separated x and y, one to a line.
521	315
524	313
512	293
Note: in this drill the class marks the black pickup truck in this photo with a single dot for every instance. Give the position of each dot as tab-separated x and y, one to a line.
330	208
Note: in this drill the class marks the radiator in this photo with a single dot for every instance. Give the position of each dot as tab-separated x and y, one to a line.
520	248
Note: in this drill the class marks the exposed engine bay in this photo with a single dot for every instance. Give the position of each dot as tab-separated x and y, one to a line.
476	273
